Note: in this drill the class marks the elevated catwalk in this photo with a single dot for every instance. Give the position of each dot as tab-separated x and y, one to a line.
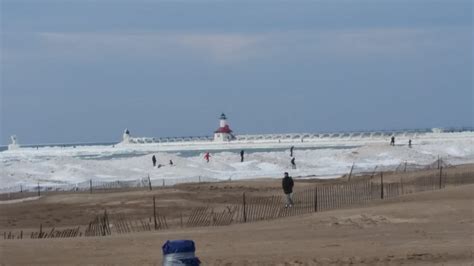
307	137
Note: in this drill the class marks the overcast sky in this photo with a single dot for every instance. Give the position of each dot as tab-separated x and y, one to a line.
83	71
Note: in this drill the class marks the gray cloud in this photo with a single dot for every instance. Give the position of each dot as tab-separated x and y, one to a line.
225	48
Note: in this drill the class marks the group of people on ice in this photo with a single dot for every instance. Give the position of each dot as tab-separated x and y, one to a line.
153	160
392	142
207	157
287	181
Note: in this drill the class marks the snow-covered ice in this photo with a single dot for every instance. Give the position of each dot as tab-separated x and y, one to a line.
328	158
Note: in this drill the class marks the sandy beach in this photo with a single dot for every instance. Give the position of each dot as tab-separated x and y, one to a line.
427	228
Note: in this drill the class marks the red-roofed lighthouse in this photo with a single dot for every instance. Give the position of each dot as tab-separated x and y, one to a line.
223	133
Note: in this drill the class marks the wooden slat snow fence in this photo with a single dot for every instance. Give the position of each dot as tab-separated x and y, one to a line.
57	233
207	216
50	233
321	197
99	226
122	225
326	197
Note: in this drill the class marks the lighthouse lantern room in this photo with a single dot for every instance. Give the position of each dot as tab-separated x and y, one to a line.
223	133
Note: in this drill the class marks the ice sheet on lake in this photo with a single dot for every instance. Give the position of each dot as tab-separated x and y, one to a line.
68	165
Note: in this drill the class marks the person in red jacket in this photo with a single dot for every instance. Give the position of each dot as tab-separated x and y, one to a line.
207	156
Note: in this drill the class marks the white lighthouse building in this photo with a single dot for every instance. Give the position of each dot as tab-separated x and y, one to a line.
126	136
223	133
14	145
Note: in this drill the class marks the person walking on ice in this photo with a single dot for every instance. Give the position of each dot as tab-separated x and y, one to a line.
153	159
293	164
287	185
291	151
409	143
207	156
392	141
242	156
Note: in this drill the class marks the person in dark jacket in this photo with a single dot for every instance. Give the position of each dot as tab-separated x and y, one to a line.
242	156
287	185
392	141
293	164
291	151
153	159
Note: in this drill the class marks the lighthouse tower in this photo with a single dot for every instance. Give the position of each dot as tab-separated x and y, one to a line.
14	145
223	133
126	136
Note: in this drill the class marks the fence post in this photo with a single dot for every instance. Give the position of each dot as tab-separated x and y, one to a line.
440	176
381	185
405	167
39	191
350	173
21	188
316	199
401	185
154	213
373	173
149	182
438	161
199	179
244	208
163	182
90	186
106	225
